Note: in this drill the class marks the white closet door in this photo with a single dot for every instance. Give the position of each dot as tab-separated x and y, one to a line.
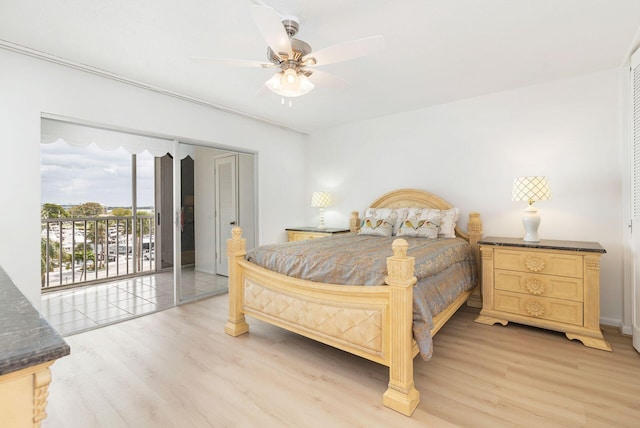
226	208
635	234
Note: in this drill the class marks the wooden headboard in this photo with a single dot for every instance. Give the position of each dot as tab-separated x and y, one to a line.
408	198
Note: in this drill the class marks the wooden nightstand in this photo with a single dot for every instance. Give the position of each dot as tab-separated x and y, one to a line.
549	284
303	233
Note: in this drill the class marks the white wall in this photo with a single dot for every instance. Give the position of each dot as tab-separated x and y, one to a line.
30	87
469	153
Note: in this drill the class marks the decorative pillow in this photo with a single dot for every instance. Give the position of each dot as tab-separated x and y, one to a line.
448	224
399	214
415	227
378	226
448	219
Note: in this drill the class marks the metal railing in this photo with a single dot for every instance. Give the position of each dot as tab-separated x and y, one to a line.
77	251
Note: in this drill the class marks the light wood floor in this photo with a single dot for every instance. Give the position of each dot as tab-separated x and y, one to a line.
177	368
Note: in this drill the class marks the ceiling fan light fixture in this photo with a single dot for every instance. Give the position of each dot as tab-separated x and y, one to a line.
289	84
289	78
292	56
305	85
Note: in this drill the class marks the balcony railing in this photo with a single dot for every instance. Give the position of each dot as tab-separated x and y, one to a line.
77	251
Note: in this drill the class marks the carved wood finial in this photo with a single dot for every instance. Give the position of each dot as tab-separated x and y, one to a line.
400	267
354	221
400	247
475	224
236	245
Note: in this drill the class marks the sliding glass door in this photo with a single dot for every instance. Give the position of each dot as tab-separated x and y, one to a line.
142	206
208	207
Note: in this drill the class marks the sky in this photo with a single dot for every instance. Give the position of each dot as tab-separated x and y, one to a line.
73	175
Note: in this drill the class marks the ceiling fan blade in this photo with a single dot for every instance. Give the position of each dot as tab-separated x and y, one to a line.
346	51
234	62
270	25
324	79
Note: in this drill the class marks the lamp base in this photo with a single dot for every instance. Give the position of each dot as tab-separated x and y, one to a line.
321	226
531	221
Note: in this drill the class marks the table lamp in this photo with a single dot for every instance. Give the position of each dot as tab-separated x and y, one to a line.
321	200
531	189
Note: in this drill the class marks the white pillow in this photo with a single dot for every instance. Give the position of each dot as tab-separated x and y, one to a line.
399	214
378	226
448	224
448	219
420	228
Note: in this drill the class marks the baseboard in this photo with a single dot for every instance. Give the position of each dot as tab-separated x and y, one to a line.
617	324
206	269
612	322
636	338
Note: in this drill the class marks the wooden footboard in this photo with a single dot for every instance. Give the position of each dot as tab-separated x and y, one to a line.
372	322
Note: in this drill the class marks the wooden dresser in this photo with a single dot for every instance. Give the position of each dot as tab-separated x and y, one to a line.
28	347
303	233
549	284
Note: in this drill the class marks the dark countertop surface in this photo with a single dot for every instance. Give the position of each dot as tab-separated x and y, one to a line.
548	244
315	229
26	338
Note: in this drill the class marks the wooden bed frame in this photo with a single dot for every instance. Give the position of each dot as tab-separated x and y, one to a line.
374	322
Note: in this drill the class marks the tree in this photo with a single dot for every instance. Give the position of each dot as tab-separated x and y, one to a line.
50	210
143	227
78	253
146	225
126	212
88	209
52	252
121	212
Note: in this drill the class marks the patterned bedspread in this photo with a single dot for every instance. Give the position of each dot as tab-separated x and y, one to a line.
444	269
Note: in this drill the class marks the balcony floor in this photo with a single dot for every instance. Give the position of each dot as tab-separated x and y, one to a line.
88	307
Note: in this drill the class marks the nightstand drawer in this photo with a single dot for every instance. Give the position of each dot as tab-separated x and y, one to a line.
559	287
303	236
564	311
539	262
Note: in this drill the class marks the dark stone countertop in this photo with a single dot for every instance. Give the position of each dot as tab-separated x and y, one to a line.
26	338
315	229
549	244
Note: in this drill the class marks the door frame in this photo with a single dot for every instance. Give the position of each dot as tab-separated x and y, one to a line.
182	146
631	218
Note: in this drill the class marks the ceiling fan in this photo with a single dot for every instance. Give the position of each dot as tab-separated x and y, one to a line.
294	57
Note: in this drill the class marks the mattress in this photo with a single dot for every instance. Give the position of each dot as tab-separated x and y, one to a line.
444	268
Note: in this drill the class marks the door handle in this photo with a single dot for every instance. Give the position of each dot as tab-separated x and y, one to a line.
233	223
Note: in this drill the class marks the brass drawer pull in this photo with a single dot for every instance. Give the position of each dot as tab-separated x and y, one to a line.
534	309
534	263
534	286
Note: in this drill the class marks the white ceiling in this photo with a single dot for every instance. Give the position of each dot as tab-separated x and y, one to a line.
437	51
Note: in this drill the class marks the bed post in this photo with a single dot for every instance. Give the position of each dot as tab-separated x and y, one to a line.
354	221
401	395
236	250
474	229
